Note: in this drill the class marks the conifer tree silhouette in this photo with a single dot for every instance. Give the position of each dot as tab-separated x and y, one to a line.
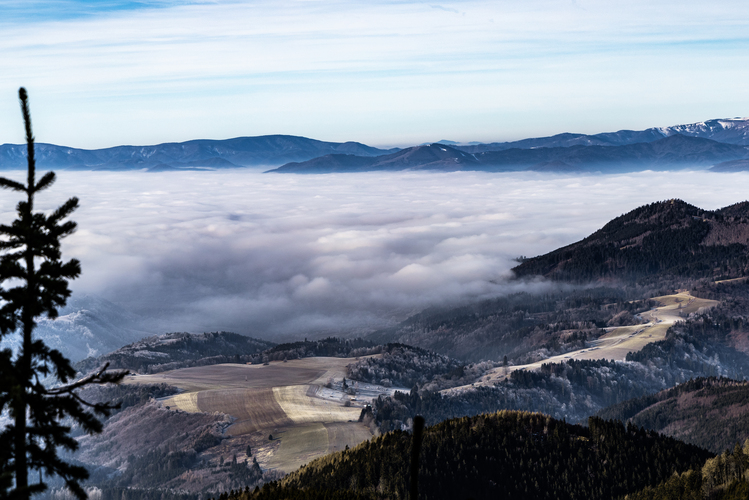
33	283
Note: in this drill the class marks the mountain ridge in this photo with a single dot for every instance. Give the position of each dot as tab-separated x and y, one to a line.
726	130
507	454
229	153
676	151
278	150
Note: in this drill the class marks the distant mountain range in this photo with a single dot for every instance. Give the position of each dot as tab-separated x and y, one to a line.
268	151
722	144
729	131
673	152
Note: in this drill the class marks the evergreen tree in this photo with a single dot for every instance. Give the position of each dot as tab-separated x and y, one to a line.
34	283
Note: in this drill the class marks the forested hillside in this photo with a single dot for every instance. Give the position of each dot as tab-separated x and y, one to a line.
724	477
710	412
665	239
524	327
405	366
502	455
330	347
705	344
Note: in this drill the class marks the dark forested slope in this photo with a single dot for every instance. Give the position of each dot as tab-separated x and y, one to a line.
721	478
668	238
503	455
710	412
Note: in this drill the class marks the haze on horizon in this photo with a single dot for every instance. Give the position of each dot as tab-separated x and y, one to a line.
116	72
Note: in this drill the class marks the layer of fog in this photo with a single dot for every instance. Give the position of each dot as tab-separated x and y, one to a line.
277	256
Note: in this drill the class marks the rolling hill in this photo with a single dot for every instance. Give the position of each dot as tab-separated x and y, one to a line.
430	157
176	350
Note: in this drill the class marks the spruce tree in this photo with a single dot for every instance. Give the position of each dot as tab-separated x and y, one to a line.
34	283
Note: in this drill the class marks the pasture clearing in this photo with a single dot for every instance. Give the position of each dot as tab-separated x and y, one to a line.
618	341
285	399
299	445
258	397
301	405
341	435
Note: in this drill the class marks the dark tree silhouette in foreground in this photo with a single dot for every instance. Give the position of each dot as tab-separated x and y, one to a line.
33	283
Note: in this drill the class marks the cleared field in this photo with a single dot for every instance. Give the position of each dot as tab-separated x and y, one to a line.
305	442
186	402
345	434
295	372
260	397
282	398
743	278
616	343
301	405
227	376
299	445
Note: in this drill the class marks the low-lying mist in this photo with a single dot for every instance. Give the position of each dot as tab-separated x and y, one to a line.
280	256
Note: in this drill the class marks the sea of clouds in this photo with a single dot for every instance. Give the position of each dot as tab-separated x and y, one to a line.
281	256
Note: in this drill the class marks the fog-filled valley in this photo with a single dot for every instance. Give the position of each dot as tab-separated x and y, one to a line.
281	257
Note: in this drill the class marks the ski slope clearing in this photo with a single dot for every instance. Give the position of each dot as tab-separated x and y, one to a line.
619	341
283	399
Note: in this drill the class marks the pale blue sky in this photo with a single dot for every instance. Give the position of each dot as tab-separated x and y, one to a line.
103	73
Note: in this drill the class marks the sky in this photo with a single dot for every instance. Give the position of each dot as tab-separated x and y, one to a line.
111	72
282	256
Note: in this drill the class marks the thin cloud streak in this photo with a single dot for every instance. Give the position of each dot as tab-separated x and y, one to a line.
281	256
